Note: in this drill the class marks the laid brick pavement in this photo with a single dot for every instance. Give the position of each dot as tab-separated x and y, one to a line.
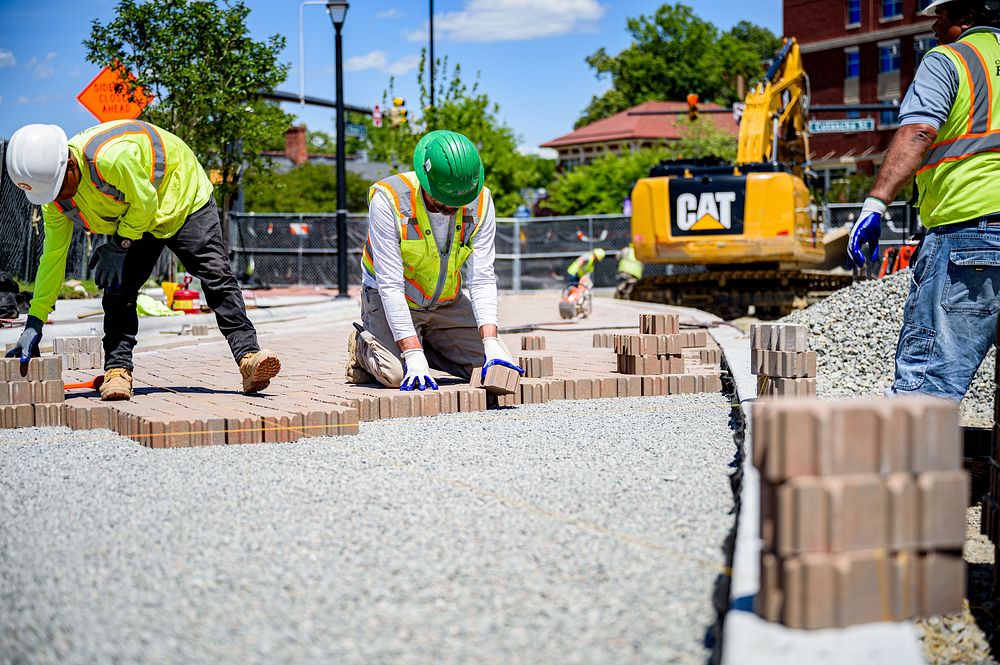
189	395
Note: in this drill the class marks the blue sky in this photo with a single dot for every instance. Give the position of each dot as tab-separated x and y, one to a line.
529	53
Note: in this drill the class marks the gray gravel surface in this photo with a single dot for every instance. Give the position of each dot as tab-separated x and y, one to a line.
855	331
573	532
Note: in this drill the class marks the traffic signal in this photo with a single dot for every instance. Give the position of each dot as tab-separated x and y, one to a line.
397	114
692	107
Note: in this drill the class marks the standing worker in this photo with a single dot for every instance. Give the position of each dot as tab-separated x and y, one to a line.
950	139
629	271
584	265
143	188
423	226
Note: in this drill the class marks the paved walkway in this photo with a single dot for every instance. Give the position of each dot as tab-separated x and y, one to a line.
188	394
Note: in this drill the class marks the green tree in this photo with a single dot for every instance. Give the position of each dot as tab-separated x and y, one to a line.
203	68
674	53
601	186
468	110
308	187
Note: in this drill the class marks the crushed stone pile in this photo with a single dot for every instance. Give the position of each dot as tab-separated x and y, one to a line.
854	333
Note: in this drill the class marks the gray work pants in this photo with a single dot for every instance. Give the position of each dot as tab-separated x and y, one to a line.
448	334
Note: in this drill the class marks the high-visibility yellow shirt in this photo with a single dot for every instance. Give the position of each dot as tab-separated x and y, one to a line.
135	178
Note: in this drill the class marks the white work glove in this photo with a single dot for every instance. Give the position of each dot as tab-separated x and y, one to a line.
496	354
418	372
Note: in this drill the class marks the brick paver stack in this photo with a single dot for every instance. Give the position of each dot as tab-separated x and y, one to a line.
781	360
862	510
31	394
79	352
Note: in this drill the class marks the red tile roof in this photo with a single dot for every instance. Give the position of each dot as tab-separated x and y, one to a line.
624	127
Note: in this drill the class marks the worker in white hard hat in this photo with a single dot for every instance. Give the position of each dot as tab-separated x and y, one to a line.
144	189
949	138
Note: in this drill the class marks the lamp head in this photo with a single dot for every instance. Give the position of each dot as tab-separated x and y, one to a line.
337	9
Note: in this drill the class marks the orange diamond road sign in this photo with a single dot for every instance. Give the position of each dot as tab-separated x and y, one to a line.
107	98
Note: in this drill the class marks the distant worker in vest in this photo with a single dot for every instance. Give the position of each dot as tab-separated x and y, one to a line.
144	189
584	265
629	271
949	137
423	227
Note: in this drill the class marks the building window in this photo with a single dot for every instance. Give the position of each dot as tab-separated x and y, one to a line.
889	118
888	58
922	44
853	13
853	64
892	9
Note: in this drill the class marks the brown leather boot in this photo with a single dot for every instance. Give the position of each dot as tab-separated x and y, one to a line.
117	384
354	371
258	369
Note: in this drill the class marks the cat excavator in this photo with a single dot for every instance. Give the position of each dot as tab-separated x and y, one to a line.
753	226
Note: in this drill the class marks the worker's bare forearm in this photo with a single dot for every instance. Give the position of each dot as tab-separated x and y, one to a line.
904	157
488	330
409	343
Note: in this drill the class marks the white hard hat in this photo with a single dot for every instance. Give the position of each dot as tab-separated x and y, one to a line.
932	9
36	161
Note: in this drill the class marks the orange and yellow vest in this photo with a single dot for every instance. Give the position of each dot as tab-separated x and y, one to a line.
431	279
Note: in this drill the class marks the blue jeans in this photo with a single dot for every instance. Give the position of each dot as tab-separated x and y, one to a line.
950	318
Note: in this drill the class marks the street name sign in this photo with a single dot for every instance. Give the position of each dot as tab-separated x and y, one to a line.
355	129
843	126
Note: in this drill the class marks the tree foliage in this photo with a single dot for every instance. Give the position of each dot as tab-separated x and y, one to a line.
203	68
601	186
674	53
308	187
466	109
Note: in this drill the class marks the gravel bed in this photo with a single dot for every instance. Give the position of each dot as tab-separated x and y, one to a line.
572	532
854	333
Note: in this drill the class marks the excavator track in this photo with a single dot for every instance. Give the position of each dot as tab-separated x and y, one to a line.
730	293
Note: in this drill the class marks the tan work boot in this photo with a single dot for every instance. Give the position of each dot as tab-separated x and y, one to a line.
117	385
354	371
258	369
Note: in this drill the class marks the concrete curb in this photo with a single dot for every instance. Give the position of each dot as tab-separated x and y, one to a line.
748	639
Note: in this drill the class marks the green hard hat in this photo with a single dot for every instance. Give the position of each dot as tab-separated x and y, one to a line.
448	166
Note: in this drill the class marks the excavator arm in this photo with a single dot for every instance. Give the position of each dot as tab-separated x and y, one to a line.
774	124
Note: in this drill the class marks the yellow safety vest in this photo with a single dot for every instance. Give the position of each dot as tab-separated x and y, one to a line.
628	264
957	181
583	265
430	278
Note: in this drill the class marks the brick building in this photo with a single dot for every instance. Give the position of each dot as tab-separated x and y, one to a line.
858	52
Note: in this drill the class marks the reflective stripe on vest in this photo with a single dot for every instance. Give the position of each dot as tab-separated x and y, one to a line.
72	213
98	141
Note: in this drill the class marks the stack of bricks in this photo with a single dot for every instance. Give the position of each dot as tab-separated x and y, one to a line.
32	393
862	510
781	360
990	520
79	352
535	365
657	349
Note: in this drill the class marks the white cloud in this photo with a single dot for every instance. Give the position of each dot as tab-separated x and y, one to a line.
389	13
512	20
7	58
42	69
379	61
24	100
544	153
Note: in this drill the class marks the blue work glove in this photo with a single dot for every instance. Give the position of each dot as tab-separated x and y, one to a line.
496	354
27	344
108	262
418	372
868	229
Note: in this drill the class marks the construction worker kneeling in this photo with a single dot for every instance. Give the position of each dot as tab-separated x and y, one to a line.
423	227
143	188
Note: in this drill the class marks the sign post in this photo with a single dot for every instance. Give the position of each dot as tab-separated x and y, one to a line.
843	126
107	98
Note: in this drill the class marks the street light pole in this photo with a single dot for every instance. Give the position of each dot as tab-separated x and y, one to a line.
338	12
432	53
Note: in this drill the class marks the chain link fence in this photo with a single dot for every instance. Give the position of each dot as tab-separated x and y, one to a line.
531	253
899	225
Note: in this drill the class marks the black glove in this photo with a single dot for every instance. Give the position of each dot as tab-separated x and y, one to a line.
27	344
108	262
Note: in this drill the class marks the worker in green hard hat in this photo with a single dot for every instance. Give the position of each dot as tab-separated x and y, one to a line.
423	227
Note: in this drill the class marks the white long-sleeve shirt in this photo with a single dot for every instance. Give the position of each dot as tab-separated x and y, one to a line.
481	280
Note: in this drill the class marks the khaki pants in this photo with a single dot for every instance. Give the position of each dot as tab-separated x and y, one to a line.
448	334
